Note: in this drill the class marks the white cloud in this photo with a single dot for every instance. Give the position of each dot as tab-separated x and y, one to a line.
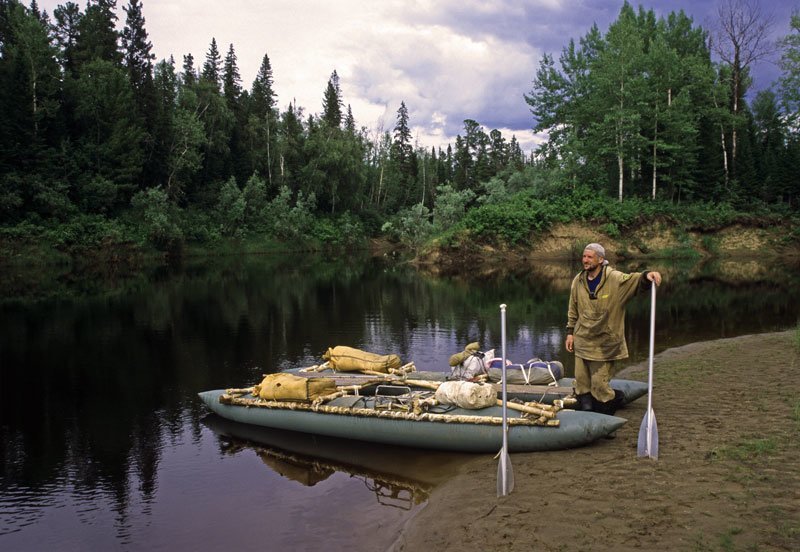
443	76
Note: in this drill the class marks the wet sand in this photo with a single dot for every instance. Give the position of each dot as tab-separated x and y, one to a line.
727	476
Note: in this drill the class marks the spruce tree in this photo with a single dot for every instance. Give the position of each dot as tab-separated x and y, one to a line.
262	124
403	158
212	65
332	102
188	73
66	30
165	85
97	34
138	59
291	148
232	92
498	151
402	135
350	121
231	80
462	165
516	158
138	55
262	94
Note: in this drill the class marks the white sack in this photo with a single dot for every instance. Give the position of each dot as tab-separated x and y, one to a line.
466	394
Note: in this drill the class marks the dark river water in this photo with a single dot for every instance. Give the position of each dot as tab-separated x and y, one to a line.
104	444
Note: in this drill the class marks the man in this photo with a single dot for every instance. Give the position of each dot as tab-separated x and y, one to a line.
596	326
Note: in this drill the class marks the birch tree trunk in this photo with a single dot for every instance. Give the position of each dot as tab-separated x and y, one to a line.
620	163
724	156
655	154
269	158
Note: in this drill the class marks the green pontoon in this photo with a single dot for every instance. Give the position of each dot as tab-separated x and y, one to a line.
374	419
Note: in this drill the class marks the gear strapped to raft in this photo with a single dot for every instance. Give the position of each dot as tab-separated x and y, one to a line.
534	372
348	359
472	364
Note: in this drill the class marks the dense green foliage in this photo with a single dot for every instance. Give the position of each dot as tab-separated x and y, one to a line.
643	110
512	220
101	145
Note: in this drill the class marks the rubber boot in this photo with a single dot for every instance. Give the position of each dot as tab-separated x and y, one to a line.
601	407
618	400
610	407
585	401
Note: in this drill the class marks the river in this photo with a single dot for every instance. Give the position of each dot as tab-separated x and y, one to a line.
104	444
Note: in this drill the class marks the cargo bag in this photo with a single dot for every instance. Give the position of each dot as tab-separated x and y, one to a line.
468	364
348	359
533	372
288	387
466	394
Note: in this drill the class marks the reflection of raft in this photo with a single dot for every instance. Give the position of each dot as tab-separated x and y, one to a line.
368	419
399	477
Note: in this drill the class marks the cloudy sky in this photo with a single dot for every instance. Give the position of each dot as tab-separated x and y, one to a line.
449	60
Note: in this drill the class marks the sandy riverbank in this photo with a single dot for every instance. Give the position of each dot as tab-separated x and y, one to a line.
727	477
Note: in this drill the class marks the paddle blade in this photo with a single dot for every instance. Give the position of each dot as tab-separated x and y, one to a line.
505	475
648	436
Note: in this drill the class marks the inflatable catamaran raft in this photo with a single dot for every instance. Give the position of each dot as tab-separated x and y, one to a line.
447	415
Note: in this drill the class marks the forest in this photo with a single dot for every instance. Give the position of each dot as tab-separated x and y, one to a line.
102	145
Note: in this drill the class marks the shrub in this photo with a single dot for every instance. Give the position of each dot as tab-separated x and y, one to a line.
413	226
343	231
509	222
255	201
84	231
450	206
155	215
495	191
290	222
98	194
611	230
231	208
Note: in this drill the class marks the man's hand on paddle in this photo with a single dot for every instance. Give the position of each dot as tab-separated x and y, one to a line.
654	277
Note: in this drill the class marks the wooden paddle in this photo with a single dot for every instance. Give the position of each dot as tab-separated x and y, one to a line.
648	431
505	475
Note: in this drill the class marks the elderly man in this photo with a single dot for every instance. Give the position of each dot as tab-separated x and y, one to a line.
596	326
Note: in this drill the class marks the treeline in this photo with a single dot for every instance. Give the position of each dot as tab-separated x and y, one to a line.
94	129
99	143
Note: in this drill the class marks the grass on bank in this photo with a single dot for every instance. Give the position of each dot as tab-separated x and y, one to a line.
797	337
746	450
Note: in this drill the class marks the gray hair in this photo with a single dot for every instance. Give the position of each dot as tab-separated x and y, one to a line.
599	249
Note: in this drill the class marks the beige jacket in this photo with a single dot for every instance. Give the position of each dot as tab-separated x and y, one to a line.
599	324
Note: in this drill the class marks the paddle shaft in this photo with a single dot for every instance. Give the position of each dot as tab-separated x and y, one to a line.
505	461
650	366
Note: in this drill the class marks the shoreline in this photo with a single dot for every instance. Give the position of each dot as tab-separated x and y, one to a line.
727	476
